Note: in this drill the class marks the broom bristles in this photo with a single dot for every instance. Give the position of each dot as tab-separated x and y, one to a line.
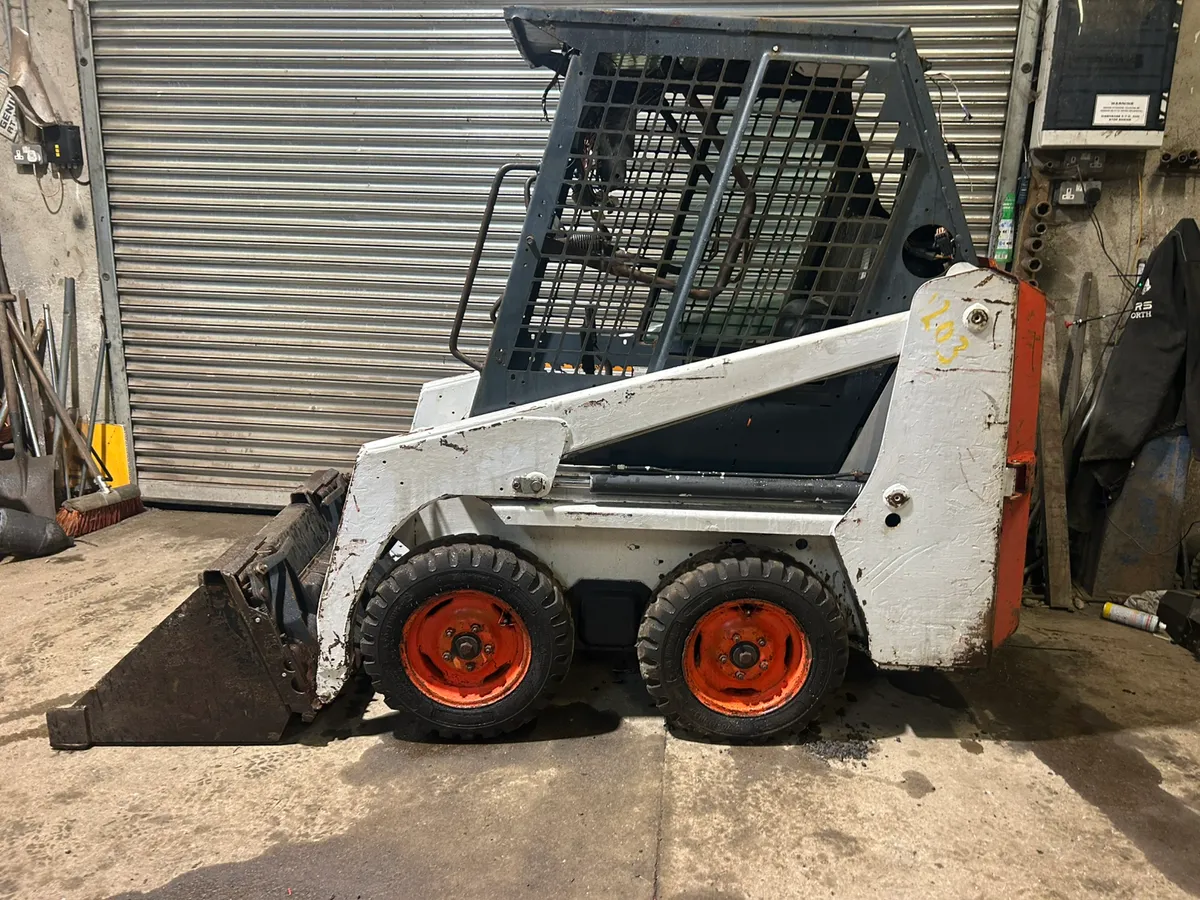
77	523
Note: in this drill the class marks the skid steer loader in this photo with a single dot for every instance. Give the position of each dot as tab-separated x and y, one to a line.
748	403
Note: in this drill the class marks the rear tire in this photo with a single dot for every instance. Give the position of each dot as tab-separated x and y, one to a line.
471	638
741	649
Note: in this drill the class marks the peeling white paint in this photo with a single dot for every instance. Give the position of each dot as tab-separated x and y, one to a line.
925	586
394	478
928	583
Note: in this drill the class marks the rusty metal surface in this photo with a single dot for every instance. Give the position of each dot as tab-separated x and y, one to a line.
236	660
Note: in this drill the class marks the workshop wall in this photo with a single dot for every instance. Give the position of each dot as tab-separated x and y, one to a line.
1138	204
45	241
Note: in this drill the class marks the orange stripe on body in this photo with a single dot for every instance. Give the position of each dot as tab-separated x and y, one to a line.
1029	329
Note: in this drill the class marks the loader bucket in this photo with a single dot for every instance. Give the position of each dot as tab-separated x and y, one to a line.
236	661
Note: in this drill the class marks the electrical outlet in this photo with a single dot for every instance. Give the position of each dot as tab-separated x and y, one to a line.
1084	162
28	153
1077	193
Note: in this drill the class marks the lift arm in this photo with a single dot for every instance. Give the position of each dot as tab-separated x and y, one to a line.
516	452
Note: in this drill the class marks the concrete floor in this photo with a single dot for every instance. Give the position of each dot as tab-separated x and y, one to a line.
1071	768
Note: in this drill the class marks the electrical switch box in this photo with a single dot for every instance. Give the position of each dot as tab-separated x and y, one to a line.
64	146
1105	74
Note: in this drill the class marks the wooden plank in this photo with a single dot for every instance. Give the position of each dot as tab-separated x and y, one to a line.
1059	593
1083	305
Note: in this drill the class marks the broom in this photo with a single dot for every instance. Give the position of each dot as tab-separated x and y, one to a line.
89	513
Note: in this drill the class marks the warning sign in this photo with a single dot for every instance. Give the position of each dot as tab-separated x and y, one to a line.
1121	110
10	125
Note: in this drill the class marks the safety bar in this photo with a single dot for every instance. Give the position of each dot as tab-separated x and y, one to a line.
477	253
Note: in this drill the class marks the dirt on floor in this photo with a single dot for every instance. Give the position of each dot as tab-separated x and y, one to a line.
1069	768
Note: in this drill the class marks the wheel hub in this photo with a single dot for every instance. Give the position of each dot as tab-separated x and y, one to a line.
746	658
467	646
744	655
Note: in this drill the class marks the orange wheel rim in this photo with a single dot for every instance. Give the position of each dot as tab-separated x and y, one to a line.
746	658
465	649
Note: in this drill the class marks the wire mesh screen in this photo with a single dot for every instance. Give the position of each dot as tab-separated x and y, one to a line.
815	175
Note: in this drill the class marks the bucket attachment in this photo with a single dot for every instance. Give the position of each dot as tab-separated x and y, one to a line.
237	659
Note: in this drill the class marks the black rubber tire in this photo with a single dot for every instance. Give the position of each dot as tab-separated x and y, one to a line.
515	578
677	608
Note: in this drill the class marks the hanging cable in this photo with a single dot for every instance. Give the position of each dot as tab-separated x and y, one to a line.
62	193
951	148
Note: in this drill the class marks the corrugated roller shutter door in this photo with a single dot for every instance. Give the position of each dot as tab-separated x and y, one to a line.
294	189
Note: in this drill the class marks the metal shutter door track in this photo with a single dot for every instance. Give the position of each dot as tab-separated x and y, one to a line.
294	186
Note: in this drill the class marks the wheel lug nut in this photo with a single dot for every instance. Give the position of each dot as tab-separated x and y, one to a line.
449	632
736	638
739	675
470	667
487	648
476	628
762	642
722	658
447	656
763	664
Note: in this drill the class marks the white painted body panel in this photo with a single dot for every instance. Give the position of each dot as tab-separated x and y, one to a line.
473	476
445	400
927	586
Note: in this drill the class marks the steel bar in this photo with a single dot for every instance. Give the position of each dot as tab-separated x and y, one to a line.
708	216
64	359
489	210
72	432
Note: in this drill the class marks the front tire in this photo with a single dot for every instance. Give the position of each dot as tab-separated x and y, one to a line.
742	648
471	638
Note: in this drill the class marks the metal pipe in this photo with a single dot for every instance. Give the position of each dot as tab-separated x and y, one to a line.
1020	105
64	358
739	244
717	484
31	428
7	31
101	358
708	216
51	345
9	368
477	254
39	434
85	452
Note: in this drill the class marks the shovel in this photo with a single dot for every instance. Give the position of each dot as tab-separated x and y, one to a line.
26	482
